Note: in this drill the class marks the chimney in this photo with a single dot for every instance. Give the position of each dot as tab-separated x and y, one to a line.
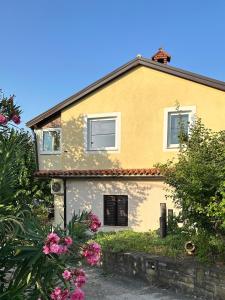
161	56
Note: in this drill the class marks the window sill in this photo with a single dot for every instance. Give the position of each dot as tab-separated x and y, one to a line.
102	150
50	153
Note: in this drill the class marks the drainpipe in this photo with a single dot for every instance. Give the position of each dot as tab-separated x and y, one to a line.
65	204
35	149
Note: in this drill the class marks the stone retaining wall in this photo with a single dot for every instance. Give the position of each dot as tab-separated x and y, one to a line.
185	275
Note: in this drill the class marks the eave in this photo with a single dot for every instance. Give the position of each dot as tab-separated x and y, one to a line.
101	173
210	82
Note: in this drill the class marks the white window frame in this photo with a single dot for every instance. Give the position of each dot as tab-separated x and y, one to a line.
190	110
108	116
42	140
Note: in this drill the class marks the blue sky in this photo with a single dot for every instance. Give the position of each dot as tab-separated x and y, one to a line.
50	49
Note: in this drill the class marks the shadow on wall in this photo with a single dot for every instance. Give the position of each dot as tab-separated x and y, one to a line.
88	194
74	154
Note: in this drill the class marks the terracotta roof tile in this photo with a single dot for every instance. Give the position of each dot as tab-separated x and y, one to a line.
161	53
98	173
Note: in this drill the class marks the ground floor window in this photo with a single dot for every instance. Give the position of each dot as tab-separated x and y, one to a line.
116	210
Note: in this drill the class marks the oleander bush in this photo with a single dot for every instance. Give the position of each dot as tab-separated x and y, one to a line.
19	189
37	260
43	262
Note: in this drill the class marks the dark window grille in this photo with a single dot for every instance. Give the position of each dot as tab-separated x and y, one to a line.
116	210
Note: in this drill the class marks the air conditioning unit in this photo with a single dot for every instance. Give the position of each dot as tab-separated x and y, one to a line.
57	187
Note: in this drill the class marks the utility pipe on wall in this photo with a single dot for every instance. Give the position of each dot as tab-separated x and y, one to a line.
65	203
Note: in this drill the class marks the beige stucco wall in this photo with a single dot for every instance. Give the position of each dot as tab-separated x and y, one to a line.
58	210
50	161
140	96
144	198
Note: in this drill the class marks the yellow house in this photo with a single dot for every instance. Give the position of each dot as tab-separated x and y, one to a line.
100	145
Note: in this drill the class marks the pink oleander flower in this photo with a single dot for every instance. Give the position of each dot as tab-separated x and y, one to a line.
96	247
78	294
80	281
79	272
93	260
16	119
92	253
46	250
94	227
62	249
94	222
67	275
3	120
55	248
68	240
52	244
58	294
53	238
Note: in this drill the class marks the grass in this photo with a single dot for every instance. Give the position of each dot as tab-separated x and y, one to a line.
209	248
148	242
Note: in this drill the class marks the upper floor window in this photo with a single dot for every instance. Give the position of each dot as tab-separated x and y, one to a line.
51	141
102	132
177	122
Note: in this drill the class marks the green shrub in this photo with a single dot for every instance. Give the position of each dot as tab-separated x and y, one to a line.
209	248
197	178
130	241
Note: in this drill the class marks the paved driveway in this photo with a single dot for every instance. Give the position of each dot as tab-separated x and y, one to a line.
112	287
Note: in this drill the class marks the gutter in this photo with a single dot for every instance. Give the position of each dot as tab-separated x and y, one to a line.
116	177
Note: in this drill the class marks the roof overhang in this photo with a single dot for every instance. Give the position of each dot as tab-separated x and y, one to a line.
139	61
103	173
